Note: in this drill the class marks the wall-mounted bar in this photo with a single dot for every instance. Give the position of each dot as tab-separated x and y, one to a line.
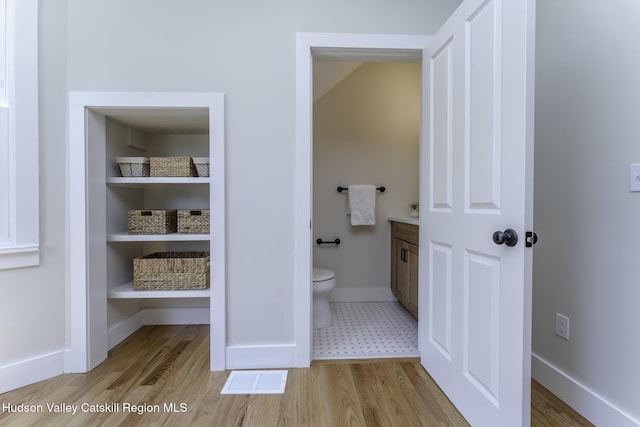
341	189
324	242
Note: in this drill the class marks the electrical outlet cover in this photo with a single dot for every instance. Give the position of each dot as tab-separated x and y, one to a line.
634	177
562	326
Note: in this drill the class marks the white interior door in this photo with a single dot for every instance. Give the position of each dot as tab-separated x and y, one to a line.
475	295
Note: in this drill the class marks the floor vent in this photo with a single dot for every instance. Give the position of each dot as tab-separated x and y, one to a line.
255	382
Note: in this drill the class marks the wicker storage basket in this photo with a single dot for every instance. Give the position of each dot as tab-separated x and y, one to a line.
171	271
133	166
202	165
172	166
157	221
193	222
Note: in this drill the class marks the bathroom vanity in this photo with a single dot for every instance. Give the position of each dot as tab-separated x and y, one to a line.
404	262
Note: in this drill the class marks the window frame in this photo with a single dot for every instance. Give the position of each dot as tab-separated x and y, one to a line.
4	129
3	52
19	195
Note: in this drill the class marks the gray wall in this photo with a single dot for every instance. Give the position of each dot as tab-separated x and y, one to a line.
586	264
247	51
366	131
244	49
32	301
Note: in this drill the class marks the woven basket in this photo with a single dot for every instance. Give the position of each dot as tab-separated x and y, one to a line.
193	222
172	166
157	221
202	165
133	166
171	271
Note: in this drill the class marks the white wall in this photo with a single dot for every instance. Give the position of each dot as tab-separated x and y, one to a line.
366	131
586	264
32	305
587	102
247	51
244	49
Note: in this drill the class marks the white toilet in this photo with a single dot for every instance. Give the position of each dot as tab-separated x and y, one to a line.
323	282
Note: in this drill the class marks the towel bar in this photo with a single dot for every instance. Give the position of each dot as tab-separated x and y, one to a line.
341	189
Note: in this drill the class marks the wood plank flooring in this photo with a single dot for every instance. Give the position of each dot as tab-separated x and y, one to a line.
160	376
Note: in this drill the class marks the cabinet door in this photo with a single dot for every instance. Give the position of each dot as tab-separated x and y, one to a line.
402	271
411	272
395	263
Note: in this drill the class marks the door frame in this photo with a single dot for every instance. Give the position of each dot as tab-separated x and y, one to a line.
347	46
86	326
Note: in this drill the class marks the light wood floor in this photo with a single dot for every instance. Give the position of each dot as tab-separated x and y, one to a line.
161	365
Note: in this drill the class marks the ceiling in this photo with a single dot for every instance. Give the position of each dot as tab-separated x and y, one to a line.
156	121
332	65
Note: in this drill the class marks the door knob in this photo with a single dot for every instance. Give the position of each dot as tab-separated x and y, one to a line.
509	237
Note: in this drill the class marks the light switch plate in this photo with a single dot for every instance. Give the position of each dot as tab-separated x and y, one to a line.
634	177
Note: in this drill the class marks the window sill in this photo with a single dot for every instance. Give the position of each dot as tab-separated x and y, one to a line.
19	256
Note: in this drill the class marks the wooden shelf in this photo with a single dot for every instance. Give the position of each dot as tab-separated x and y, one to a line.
173	237
126	292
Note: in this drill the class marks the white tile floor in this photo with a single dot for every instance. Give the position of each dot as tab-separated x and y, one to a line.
367	330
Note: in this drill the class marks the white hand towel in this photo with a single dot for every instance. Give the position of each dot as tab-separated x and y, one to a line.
362	204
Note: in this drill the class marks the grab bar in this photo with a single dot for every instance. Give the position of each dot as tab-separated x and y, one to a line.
324	242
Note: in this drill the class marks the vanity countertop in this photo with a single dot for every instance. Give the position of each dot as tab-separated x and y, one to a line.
406	220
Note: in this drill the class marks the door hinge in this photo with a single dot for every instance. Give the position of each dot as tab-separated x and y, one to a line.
530	239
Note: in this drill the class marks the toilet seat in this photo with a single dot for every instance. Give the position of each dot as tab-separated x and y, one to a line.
322	275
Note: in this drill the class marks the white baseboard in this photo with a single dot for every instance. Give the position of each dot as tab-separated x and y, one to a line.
177	316
157	316
261	356
50	365
31	371
588	403
122	330
361	294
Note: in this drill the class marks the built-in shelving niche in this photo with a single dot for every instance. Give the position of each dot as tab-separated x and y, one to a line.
161	125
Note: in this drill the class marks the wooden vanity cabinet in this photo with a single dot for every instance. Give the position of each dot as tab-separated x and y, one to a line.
404	265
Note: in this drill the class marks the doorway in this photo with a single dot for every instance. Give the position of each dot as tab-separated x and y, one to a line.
352	47
366	130
487	99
